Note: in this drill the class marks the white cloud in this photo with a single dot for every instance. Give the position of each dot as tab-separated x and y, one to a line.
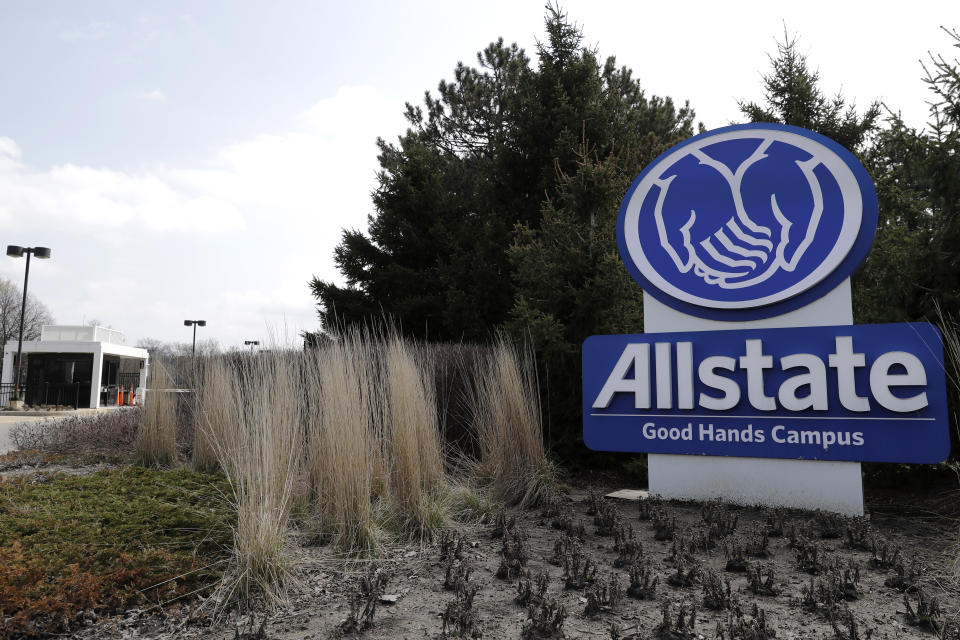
234	238
88	200
88	31
154	95
9	154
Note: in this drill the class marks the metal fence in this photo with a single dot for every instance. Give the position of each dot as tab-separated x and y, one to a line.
45	394
129	380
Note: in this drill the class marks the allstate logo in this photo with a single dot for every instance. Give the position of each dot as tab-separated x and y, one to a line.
748	221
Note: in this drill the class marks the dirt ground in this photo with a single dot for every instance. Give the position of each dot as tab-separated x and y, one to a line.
416	578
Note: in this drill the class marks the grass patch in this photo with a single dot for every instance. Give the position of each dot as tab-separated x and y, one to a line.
38	458
107	541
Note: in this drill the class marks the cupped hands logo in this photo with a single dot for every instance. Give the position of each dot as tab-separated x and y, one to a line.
746	217
731	248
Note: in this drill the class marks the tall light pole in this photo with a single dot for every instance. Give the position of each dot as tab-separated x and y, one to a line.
195	323
18	252
252	344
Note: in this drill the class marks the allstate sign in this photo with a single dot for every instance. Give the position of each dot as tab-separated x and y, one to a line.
747	222
869	393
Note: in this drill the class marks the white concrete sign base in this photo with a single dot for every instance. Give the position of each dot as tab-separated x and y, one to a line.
801	484
808	484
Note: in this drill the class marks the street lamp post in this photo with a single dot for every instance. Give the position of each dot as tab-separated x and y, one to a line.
252	344
15	251
195	323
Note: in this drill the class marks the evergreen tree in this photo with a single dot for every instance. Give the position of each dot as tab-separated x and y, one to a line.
792	96
477	163
913	270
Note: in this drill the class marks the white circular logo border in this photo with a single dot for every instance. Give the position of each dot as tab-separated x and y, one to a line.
841	171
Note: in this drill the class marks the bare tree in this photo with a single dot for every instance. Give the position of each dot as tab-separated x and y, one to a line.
37	314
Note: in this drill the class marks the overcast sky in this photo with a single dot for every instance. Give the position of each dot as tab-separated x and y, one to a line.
199	159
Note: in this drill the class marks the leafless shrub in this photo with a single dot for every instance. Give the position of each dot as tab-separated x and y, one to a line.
570	525
857	535
719	522
907	576
757	543
459	618
544	621
738	627
800	534
681	550
643	582
830	525
532	591
628	548
450	544
502	524
679	628
811	558
553	505
736	555
607	519
686	574
850	630
579	569
716	591
760	586
457	574
664	527
842	581
923	611
363	601
108	432
775	521
562	546
513	555
884	554
603	596
646	508
594	501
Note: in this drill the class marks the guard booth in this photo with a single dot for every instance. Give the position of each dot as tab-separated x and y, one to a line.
76	366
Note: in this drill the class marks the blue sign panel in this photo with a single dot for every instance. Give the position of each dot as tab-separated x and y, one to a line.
862	392
747	222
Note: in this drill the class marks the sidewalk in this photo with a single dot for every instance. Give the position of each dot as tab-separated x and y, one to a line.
7	422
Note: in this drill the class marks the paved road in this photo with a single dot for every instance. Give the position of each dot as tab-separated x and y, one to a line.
7	423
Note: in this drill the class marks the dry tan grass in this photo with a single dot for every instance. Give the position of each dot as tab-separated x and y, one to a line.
344	454
417	478
157	441
354	427
506	423
217	413
253	423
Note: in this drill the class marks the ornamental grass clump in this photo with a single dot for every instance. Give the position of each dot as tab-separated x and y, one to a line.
217	414
506	423
157	441
344	460
413	447
260	452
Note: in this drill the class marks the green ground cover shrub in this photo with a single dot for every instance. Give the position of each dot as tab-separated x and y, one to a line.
106	541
